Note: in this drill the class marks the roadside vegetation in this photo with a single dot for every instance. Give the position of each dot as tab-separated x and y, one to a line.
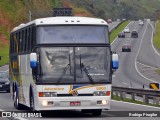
4	51
156	40
157	36
15	12
115	32
114	97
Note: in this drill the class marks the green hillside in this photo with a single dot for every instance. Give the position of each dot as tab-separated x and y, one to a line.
15	12
129	9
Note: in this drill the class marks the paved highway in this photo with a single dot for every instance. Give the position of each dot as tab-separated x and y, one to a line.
116	106
147	54
126	75
113	25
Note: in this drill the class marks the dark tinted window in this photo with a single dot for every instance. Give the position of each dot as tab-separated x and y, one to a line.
72	34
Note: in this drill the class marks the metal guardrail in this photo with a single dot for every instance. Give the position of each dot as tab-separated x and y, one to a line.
146	94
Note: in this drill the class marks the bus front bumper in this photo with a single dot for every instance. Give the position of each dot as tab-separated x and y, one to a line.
70	103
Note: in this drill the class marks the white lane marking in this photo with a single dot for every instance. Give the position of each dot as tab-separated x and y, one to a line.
147	65
152	42
137	56
117	37
136	104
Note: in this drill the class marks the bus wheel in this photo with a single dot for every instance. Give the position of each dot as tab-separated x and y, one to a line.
97	112
17	105
32	108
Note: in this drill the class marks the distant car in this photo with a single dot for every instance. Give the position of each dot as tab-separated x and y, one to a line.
118	20
109	21
4	82
126	48
134	34
126	30
141	23
121	35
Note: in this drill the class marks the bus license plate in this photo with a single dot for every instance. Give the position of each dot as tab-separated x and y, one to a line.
0	85
75	103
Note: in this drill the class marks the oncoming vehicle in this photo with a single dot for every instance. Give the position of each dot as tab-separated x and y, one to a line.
4	82
62	63
141	23
126	48
109	21
134	34
126	30
121	35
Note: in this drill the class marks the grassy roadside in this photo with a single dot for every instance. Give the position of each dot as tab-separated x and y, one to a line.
156	40
4	51
114	97
115	32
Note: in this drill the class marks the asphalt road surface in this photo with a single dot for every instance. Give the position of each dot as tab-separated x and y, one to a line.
111	114
127	75
112	25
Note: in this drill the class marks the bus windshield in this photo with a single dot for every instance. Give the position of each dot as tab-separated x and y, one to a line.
72	34
75	64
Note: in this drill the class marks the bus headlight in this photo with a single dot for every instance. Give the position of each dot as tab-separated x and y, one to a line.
47	103
7	83
102	102
47	94
44	103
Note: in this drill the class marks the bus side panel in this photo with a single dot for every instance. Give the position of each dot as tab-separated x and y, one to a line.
26	79
13	73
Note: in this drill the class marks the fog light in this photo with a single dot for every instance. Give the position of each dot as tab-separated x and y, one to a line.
104	102
44	103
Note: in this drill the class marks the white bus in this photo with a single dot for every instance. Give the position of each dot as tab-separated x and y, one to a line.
62	63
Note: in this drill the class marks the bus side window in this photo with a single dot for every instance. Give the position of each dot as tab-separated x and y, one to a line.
14	44
11	43
26	40
18	40
23	40
29	39
33	39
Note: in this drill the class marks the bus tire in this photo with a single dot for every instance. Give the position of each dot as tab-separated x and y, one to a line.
17	105
97	112
32	107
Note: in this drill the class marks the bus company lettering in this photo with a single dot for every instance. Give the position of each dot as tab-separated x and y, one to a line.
52	89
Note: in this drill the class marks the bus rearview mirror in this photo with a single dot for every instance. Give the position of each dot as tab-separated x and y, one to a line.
33	60
115	61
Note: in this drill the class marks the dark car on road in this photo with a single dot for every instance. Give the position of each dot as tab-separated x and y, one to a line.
4	82
134	34
121	35
126	48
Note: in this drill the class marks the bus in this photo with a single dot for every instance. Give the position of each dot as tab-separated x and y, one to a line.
62	63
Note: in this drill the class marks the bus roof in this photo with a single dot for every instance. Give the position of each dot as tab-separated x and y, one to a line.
63	21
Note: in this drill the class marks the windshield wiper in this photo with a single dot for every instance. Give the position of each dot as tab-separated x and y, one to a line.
65	70
82	66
